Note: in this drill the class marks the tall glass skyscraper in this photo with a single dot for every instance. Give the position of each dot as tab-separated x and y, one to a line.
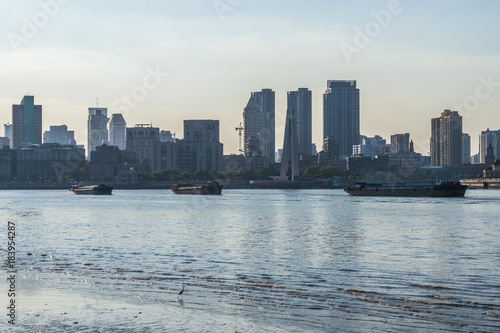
301	103
27	122
341	115
259	128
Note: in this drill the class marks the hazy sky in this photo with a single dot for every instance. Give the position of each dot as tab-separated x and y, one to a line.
166	61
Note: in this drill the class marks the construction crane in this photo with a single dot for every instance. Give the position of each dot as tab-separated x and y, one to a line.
240	131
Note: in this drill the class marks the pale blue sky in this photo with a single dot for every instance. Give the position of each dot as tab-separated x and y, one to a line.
429	56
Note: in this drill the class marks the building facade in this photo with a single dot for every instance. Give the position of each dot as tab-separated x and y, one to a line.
118	131
60	135
446	139
144	141
259	128
200	149
486	139
341	115
300	102
26	122
370	147
97	129
400	143
7	130
8	164
466	158
48	161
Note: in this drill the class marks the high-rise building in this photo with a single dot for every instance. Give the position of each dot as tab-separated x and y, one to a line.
97	129
200	149
400	143
341	115
301	103
7	130
60	135
465	148
144	141
27	122
489	138
446	139
118	131
259	126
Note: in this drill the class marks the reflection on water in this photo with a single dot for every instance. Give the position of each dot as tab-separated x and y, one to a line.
250	260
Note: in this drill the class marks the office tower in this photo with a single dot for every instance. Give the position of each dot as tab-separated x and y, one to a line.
7	130
301	103
118	131
27	122
60	135
465	148
97	129
400	143
144	141
341	115
489	138
259	129
446	139
200	149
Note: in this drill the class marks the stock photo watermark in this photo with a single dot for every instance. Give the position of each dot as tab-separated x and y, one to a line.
151	81
363	37
11	272
486	88
223	7
32	26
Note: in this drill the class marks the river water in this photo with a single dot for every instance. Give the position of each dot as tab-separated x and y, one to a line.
253	261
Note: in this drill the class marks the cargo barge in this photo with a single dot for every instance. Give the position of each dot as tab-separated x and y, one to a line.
101	189
443	189
211	188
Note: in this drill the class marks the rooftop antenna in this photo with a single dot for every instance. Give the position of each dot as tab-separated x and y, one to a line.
97	102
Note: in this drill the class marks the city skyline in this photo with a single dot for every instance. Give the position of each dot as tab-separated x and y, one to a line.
197	61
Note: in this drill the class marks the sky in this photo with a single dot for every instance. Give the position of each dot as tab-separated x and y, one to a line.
162	62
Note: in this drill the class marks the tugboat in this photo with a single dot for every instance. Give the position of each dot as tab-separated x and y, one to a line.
101	189
443	189
211	188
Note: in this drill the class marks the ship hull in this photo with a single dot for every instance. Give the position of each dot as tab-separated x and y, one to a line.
442	190
92	190
212	188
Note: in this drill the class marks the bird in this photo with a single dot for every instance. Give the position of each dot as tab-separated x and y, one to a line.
180	292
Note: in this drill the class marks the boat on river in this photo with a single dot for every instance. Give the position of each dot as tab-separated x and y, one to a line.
101	189
210	188
443	189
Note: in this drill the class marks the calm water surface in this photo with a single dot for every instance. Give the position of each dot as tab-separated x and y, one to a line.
251	260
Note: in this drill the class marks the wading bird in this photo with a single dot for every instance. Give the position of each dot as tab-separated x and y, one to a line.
180	292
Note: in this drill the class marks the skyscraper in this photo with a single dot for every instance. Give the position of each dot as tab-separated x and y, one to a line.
259	129
118	131
301	103
489	138
97	128
27	122
465	148
446	139
341	115
400	143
